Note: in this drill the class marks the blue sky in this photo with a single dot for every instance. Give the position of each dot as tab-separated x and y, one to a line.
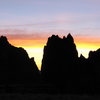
80	17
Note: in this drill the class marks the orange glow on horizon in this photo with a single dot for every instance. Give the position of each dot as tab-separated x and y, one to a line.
86	44
28	43
35	47
37	53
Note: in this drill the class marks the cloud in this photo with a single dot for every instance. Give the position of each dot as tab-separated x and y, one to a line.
15	34
59	20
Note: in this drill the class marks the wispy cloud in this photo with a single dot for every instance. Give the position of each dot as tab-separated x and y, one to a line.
59	21
16	34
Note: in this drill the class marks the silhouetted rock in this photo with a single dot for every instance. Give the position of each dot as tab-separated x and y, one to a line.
83	69
59	61
62	67
94	63
62	70
15	64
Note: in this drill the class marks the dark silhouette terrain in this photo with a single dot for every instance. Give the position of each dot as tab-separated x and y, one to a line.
62	67
59	62
15	65
62	71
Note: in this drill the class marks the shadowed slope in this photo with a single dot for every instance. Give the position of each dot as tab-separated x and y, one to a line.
62	70
62	67
59	61
15	65
94	63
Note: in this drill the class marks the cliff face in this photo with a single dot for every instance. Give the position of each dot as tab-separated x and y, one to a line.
94	64
62	66
15	65
59	60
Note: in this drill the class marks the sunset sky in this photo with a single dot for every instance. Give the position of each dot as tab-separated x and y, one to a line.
28	23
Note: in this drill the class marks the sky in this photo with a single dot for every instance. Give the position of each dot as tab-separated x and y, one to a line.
29	23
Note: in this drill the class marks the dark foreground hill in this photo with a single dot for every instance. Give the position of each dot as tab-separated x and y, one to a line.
15	65
62	70
62	67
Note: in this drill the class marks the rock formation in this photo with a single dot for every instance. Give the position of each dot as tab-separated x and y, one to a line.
62	70
59	62
62	67
15	64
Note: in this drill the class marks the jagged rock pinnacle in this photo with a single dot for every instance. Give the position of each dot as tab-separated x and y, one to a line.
70	38
3	41
81	56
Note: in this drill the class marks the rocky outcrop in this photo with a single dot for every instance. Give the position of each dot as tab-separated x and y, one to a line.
62	67
15	64
59	62
94	67
62	70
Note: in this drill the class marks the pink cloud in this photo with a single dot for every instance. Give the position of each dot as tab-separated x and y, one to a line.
15	34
